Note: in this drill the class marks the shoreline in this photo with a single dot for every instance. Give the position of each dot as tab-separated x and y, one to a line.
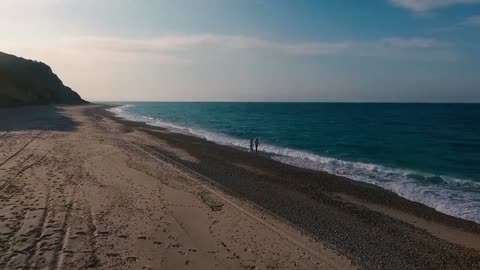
457	197
359	214
182	131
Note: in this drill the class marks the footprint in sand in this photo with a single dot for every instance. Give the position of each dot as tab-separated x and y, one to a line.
131	259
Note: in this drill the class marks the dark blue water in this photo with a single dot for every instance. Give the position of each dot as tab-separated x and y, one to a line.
425	152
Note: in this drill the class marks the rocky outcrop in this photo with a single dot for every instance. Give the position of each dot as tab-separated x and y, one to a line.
27	82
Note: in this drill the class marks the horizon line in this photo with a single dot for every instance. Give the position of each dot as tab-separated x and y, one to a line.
227	101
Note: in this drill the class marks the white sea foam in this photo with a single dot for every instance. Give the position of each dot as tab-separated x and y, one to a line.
455	197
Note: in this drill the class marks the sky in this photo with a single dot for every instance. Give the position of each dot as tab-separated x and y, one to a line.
253	50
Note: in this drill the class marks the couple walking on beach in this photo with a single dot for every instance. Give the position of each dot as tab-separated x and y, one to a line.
256	143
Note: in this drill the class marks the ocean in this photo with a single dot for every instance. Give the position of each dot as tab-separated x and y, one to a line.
428	153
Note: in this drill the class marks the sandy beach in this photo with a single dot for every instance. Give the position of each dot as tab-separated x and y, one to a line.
82	189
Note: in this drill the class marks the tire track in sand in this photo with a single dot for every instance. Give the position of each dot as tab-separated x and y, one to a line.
22	148
24	239
22	170
4	135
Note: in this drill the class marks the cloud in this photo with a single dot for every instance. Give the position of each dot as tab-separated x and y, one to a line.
427	5
414	43
176	49
169	49
410	49
182	42
474	20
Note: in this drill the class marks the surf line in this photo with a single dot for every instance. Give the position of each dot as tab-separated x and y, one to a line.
220	196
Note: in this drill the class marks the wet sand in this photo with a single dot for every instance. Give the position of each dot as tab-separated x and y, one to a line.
83	189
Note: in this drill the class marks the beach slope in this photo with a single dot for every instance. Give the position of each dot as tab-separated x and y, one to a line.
78	191
82	189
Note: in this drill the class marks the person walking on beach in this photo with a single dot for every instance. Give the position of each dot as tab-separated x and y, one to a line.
251	145
257	143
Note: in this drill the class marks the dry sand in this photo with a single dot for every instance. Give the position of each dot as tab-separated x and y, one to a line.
82	189
78	191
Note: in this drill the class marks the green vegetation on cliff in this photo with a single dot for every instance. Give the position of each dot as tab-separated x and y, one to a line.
26	82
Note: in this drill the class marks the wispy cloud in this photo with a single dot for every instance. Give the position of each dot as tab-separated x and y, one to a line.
427	5
169	48
410	49
414	43
178	43
176	49
474	20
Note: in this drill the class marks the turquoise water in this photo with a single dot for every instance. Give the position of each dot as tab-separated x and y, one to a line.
428	153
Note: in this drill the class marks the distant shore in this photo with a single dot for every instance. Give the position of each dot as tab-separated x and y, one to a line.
361	220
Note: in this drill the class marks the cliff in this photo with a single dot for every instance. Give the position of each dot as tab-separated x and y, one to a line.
26	82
